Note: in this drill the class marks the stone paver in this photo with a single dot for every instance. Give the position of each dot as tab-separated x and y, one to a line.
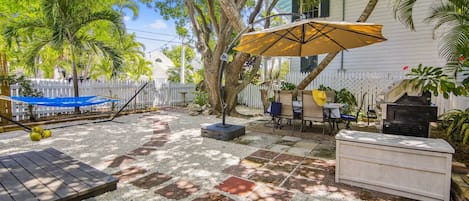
129	173
155	143
213	196
141	151
265	154
291	138
151	180
240	170
119	161
270	193
254	161
178	190
267	176
299	151
236	186
306	144
279	147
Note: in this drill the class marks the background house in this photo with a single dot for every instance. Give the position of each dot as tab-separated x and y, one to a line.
402	48
160	64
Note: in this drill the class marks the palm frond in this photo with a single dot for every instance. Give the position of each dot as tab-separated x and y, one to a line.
33	51
403	12
108	15
110	52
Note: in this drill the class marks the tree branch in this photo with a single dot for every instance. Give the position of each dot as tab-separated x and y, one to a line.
268	12
228	7
256	10
211	12
202	40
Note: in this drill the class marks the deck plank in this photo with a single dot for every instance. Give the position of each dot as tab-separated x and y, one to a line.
58	172
50	175
22	185
56	185
4	196
72	169
84	167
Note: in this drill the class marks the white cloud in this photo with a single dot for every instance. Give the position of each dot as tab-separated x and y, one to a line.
159	24
127	18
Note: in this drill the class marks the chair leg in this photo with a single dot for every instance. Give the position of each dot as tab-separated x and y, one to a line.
301	129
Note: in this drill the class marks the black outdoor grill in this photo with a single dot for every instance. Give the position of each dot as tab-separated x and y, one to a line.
410	116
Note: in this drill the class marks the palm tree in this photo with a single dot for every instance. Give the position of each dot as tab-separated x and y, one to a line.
67	26
452	19
453	15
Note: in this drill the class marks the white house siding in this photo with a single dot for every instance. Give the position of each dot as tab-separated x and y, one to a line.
402	48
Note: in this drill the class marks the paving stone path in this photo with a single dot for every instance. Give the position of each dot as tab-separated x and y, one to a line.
262	175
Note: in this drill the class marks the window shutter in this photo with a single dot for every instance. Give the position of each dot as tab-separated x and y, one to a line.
325	4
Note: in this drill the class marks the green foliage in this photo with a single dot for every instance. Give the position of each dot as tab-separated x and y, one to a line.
434	80
25	89
25	85
287	86
176	57
450	24
343	96
456	124
200	98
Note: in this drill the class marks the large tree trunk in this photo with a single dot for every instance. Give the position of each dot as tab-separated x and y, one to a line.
316	71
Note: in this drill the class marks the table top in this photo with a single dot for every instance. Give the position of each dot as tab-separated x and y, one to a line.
50	175
401	141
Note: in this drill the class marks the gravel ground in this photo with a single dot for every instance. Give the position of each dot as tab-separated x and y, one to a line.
186	154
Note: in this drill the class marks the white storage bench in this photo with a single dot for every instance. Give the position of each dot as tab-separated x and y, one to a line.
412	167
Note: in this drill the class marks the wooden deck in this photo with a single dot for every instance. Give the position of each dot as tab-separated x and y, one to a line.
50	175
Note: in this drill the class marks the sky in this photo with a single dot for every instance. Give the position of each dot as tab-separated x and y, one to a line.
151	29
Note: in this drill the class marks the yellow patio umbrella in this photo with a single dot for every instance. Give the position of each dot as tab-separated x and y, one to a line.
309	37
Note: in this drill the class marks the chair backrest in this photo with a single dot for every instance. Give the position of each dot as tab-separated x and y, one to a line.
286	98
311	110
330	96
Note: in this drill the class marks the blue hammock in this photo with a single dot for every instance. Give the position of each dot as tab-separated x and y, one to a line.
63	101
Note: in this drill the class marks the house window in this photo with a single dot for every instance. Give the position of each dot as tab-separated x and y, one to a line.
324	8
309	63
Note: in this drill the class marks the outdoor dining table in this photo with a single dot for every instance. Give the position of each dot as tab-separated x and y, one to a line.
332	113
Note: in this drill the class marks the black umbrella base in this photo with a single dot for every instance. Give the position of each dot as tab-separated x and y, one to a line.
223	132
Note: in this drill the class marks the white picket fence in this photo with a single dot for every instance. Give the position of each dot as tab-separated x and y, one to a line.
373	83
156	93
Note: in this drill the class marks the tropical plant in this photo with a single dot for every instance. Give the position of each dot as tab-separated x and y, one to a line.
25	89
67	26
287	86
343	96
456	123
434	80
175	55
200	98
451	19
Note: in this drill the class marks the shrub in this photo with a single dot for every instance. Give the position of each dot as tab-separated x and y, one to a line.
201	98
287	86
456	124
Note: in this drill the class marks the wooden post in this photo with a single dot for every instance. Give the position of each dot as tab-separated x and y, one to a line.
5	106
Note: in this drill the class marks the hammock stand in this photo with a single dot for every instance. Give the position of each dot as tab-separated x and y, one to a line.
68	102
